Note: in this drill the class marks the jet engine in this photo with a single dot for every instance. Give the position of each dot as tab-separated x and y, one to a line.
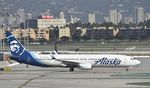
85	66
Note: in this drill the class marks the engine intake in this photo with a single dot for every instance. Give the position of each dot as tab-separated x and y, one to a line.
86	66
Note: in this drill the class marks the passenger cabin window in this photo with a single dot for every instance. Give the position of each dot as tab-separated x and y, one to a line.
44	52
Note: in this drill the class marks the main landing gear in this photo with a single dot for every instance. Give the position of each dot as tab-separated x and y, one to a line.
71	69
127	69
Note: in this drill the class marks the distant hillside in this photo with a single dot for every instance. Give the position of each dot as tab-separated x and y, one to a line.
37	6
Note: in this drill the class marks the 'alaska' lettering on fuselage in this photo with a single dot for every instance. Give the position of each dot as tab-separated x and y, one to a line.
107	61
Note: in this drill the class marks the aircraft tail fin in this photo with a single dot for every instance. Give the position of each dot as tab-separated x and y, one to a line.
16	48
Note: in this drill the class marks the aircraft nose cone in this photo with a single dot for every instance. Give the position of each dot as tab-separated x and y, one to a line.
138	62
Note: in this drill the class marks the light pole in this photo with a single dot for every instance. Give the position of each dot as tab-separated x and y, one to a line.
55	37
1	39
28	35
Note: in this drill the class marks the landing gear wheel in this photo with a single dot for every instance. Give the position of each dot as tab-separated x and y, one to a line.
27	66
127	69
71	69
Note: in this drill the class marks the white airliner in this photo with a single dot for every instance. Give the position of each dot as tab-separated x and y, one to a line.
81	61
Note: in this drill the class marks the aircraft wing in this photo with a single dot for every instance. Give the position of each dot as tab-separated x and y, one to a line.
70	63
80	65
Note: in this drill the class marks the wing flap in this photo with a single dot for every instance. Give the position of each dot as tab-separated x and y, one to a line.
70	63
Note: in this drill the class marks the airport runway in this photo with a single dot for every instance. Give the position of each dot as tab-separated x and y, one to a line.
36	77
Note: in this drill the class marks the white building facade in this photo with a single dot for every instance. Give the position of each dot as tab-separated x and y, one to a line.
115	16
91	18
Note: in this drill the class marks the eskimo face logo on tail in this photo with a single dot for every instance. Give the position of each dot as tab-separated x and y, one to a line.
14	46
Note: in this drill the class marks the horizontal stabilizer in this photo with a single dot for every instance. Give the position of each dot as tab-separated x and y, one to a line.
4	64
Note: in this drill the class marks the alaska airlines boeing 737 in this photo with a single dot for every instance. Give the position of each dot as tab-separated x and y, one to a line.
81	61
